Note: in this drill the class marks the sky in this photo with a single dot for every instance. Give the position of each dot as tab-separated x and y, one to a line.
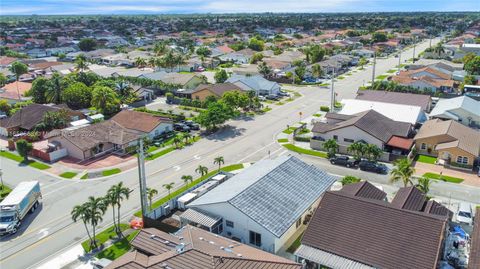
61	7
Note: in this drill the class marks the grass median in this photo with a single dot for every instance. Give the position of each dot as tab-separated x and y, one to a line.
4	191
68	175
305	151
443	178
19	159
111	172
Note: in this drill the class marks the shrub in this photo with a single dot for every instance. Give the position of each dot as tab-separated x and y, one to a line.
324	108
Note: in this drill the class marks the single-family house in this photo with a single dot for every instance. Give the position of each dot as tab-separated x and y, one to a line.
265	205
426	78
185	81
149	124
369	127
355	228
202	91
402	113
463	109
422	100
14	92
194	248
450	141
5	61
257	83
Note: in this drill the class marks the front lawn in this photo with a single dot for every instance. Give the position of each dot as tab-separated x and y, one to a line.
392	71
381	77
443	177
305	151
111	172
282	140
4	191
104	236
68	174
118	248
18	158
426	159
160	153
289	130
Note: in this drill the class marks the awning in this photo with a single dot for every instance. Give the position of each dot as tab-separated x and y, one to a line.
192	215
400	142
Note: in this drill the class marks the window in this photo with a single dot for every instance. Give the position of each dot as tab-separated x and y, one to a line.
335	137
255	239
299	222
229	223
423	146
461	159
348	140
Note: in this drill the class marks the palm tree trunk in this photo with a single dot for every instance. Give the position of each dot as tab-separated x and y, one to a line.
119	231
88	232
18	91
93	243
114	221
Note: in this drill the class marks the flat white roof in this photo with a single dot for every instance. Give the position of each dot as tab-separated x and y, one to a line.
187	197
79	122
396	112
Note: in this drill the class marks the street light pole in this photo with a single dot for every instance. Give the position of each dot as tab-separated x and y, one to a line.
414	44
399	59
332	105
373	70
141	177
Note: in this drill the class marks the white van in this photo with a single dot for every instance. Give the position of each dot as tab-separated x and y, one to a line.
464	214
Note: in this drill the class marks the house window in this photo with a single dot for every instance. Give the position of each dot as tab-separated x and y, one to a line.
255	239
298	223
229	223
348	140
335	137
462	159
423	146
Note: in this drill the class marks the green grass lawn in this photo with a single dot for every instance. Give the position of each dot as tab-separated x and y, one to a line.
4	191
381	77
443	177
18	158
317	115
289	130
183	188
84	176
279	103
282	140
341	77
392	71
104	236
111	172
295	244
117	249
305	151
324	84
68	174
160	153
426	159
266	109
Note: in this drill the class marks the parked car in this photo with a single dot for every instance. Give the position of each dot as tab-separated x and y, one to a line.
192	125
272	97
262	98
181	127
344	161
464	214
373	167
282	93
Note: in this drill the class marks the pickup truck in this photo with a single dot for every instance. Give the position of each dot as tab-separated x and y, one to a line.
23	199
344	161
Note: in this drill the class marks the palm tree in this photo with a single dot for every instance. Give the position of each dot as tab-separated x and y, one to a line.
118	193
110	200
424	184
331	147
55	89
140	62
122	87
357	149
151	193
96	208
187	137
349	180
81	63
373	152
362	62
264	69
202	170
168	187
18	69
177	140
402	171
317	71
219	160
439	49
102	97
160	48
152	62
186	179
81	212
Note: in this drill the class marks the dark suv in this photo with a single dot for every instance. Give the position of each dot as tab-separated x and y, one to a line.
373	167
344	161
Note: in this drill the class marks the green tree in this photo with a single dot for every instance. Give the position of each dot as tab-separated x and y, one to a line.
55	89
219	160
96	208
264	69
349	180
186	179
221	76
77	96
81	63
317	71
373	152
470	80
315	54
105	99
3	80
24	148
187	137
81	212
256	57
202	170
362	62
5	106
140	62
150	194
331	146
216	113
87	44
357	149
18	69
468	57
424	184
39	87
379	37
402	171
177	140
473	66
118	193
256	44
168	187
53	120
203	52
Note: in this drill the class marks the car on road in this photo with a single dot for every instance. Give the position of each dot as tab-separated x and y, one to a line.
375	167
344	161
464	214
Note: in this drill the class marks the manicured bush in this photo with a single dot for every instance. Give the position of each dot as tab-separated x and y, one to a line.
324	108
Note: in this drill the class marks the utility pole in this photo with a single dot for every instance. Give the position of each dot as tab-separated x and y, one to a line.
332	105
399	59
373	70
414	44
141	177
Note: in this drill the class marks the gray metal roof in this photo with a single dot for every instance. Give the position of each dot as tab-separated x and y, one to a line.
328	259
198	217
273	193
254	82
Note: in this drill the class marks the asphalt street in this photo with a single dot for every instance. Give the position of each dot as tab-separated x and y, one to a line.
50	230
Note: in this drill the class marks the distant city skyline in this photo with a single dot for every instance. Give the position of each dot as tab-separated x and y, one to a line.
64	7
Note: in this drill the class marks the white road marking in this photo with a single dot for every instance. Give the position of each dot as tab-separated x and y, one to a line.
197	157
176	168
43	233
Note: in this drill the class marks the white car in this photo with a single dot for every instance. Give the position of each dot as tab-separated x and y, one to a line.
464	214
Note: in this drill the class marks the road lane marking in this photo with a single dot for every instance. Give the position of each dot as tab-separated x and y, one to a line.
255	152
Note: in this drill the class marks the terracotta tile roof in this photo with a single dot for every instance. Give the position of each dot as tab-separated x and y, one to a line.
225	49
9	91
400	142
375	233
5	60
45	65
413	72
139	121
200	250
411	99
218	89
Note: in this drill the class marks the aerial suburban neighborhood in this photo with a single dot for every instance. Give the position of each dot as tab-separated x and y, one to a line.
208	135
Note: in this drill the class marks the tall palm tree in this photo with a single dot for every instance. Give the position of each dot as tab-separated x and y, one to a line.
373	152
331	146
160	48
357	149
402	171
110	200
187	137
177	140
119	192
424	184
96	208
219	160
18	69
186	179
102	97
168	187
152	62
122	87
317	71
202	170
81	63
151	193
264	69
55	89
81	212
